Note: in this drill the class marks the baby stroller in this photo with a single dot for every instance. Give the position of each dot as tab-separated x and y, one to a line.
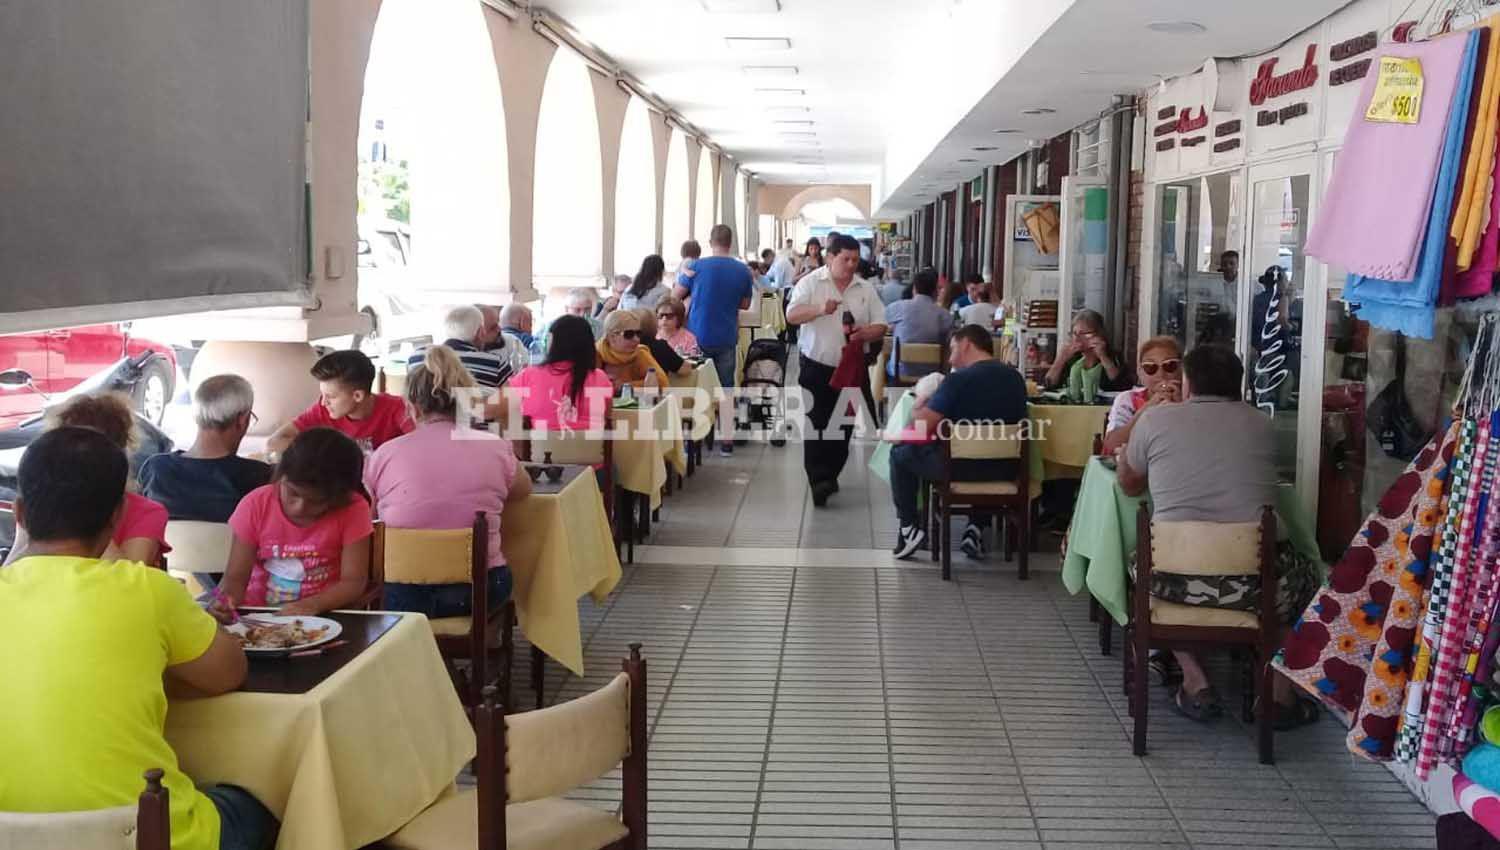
761	401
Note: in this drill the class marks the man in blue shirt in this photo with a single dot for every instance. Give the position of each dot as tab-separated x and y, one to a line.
719	289
979	389
917	319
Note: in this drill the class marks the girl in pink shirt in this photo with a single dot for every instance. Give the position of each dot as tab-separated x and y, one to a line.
438	476
566	392
302	542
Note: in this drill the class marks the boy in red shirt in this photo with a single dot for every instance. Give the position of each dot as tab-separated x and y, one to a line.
348	404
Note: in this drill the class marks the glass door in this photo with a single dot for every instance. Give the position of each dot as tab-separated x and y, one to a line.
1274	306
1085	243
1200	228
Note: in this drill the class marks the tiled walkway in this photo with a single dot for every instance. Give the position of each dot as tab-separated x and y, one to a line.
807	692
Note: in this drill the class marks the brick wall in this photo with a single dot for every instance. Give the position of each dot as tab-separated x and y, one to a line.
1133	261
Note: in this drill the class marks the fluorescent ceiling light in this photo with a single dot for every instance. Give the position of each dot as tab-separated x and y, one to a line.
741	7
1005	130
781	92
985	148
1177	27
1038	110
756	44
794	133
789	109
770	70
968	160
794	122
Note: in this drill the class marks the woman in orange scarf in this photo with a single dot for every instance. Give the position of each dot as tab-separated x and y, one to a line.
622	356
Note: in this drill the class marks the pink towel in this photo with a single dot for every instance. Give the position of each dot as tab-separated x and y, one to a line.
1372	219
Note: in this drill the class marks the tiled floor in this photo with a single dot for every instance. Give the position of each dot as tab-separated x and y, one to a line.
809	692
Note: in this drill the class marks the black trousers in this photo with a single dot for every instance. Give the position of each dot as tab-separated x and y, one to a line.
823	454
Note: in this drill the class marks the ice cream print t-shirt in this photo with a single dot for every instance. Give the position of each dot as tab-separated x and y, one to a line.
294	562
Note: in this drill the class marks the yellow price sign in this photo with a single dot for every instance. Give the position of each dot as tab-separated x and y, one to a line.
1398	91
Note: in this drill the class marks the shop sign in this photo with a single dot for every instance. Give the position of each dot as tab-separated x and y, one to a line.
1349	73
1353	47
1187	124
1165	145
1194	141
1227	128
1166	112
1267	84
1166	129
1272	117
1226	146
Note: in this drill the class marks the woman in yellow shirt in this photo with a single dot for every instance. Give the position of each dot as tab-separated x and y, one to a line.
622	356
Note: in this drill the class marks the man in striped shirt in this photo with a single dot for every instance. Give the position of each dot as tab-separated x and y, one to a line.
463	329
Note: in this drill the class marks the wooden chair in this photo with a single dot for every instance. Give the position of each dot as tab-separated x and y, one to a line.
577	447
145	826
933	354
197	547
1106	626
989	441
453	556
526	762
1203	549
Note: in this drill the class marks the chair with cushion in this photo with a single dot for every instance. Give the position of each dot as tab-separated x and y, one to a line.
453	556
527	762
574	447
1012	498
197	547
930	354
1203	549
145	826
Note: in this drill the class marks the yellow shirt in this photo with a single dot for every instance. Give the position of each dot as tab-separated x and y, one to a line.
83	710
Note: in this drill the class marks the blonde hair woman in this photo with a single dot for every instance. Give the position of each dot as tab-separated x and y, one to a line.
622	356
1160	368
141	534
670	361
436	478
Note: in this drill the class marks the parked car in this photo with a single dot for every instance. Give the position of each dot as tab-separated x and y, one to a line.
383	257
57	361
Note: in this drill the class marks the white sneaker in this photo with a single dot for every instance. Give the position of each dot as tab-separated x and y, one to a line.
972	543
908	541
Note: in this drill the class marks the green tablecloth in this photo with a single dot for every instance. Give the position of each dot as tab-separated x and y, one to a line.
1103	536
900	417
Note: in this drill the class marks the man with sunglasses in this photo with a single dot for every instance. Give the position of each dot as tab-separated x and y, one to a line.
1160	368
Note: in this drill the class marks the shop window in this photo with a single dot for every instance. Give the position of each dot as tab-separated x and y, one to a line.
1278	271
1198	259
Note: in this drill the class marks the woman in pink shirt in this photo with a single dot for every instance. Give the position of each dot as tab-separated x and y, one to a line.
439	475
141	534
567	391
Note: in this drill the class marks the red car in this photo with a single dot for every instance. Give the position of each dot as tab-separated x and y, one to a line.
60	360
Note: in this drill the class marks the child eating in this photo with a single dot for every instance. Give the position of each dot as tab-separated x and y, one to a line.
302	542
348	404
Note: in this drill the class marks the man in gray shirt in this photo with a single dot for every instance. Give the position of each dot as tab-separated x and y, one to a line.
918	319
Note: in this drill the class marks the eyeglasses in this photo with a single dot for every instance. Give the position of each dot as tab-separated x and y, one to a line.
1167	366
660	316
630	334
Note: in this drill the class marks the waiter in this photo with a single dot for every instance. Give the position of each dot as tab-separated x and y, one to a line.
819	304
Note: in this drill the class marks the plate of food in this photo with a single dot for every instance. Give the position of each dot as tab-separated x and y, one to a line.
271	634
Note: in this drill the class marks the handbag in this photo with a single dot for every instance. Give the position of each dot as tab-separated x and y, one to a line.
1390	417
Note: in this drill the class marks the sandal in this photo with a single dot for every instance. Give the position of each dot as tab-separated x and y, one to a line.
1300	713
1200	708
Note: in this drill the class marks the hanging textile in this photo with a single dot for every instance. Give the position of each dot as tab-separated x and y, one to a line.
1375	213
1479	159
1406	302
1364	618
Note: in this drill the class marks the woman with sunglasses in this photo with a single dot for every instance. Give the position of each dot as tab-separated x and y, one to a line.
622	356
671	321
1086	364
1160	365
670	361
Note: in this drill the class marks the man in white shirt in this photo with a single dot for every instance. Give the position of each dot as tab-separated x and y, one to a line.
818	305
781	270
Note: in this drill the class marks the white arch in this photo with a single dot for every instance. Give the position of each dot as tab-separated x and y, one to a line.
568	196
705	206
675	225
635	190
445	120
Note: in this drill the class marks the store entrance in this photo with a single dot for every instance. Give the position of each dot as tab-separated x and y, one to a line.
1198	258
1277	274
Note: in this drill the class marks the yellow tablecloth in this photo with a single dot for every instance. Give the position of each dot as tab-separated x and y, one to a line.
559	547
346	763
645	439
1066	434
686	388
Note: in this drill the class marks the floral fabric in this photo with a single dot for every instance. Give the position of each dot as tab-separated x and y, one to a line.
1365	618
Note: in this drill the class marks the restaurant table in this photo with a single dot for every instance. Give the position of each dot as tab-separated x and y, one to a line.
1102	537
686	388
900	418
646	439
344	748
560	548
1067	436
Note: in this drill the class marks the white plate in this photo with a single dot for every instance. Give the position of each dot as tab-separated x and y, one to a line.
334	629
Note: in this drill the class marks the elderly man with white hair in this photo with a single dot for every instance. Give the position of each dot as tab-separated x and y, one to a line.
208	480
464	331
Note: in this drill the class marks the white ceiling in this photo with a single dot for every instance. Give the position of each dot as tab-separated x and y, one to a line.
863	64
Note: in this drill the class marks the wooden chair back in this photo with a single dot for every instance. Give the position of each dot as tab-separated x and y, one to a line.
199	547
145	826
446	556
574	447
1209	549
984	441
495	762
934	354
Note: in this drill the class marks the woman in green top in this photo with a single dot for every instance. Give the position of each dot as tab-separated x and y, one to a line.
1086	364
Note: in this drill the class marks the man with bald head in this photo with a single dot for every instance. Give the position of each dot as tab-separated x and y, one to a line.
515	331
